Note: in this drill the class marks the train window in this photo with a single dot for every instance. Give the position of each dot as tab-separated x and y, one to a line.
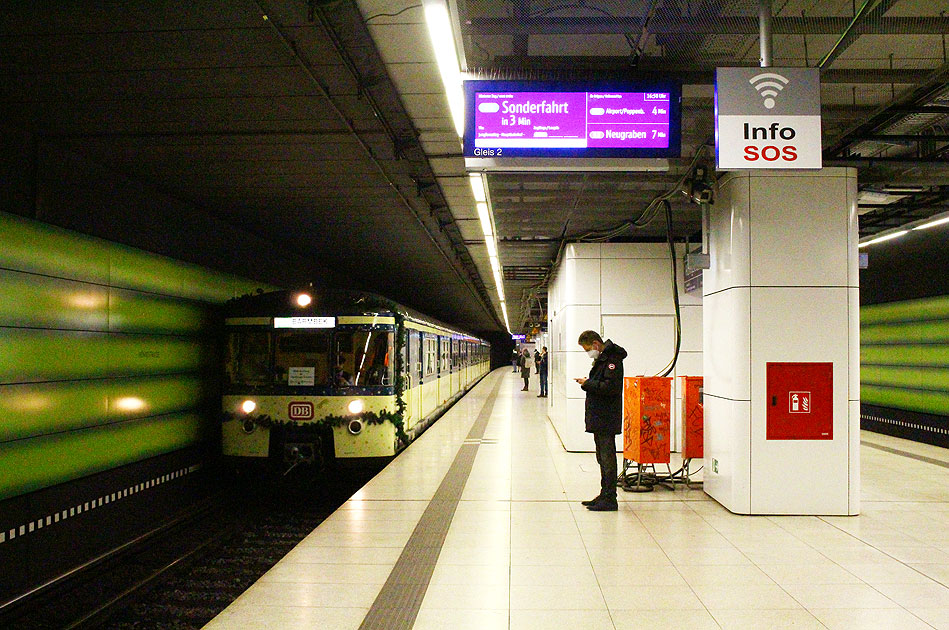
445	351
364	358
248	358
431	357
302	358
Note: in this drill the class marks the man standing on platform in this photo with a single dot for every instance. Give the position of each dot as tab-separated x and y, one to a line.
542	372
603	411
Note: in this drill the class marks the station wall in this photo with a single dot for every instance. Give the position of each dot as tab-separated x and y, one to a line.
904	337
106	359
624	292
108	354
108	379
904	369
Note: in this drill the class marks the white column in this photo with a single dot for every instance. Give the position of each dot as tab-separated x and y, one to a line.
782	287
624	292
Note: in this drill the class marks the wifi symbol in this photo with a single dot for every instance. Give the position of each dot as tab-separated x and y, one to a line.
768	85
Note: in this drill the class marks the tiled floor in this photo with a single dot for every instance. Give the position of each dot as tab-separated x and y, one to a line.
521	553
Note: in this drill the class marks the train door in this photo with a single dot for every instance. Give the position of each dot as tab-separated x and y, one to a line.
455	365
414	377
439	371
429	348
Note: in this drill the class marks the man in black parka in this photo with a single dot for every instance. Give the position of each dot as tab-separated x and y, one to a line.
603	412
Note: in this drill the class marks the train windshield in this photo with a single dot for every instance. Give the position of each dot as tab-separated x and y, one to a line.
364	358
248	358
302	359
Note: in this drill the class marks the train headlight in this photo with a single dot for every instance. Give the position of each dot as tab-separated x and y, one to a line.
249	425
248	406
304	299
356	407
355	426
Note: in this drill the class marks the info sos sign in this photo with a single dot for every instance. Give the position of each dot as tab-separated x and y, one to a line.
767	118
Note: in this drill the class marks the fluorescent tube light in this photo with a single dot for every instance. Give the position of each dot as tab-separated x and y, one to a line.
499	283
477	187
492	247
885	237
443	42
926	226
485	218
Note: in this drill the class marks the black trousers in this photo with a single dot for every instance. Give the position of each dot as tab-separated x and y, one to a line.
606	458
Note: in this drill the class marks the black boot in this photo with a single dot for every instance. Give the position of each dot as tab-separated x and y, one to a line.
604	504
591	501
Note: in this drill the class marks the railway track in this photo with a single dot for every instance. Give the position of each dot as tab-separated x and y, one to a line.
184	573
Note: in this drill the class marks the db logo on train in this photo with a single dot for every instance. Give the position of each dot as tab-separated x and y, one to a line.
300	410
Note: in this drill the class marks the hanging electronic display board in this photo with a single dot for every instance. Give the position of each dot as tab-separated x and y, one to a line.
572	120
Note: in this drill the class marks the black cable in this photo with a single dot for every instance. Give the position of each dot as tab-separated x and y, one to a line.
675	288
583	5
397	13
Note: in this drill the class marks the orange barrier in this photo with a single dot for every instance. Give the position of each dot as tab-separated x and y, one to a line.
646	421
693	418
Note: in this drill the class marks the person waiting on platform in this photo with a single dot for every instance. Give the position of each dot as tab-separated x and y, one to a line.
537	360
542	372
603	411
516	361
526	364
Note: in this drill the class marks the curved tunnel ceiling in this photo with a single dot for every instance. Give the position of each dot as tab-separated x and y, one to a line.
265	122
325	126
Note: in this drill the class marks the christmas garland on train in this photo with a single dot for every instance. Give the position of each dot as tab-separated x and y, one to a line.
317	376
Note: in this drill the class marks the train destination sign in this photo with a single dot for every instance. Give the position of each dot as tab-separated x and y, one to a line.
529	119
304	322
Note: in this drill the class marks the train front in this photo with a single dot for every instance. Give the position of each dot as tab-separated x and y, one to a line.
302	389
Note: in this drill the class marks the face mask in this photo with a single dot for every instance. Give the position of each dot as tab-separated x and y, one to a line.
593	353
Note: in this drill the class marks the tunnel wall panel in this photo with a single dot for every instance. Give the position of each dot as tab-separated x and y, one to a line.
904	368
108	354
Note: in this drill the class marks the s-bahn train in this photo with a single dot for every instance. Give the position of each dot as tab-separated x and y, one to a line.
313	376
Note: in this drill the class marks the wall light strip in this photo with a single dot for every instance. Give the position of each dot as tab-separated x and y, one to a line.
931	224
885	237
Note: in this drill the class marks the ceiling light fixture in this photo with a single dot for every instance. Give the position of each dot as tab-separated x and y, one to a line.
443	42
492	247
490	239
477	187
485	217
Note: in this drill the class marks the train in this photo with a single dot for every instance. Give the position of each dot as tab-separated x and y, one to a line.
318	377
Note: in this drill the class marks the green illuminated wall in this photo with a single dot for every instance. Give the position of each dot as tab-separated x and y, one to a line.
904	355
106	354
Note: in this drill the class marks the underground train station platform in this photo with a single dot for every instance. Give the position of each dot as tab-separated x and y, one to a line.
478	525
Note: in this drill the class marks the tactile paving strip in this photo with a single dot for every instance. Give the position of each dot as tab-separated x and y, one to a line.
397	605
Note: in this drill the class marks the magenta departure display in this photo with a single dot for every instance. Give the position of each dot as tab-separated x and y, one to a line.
534	120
